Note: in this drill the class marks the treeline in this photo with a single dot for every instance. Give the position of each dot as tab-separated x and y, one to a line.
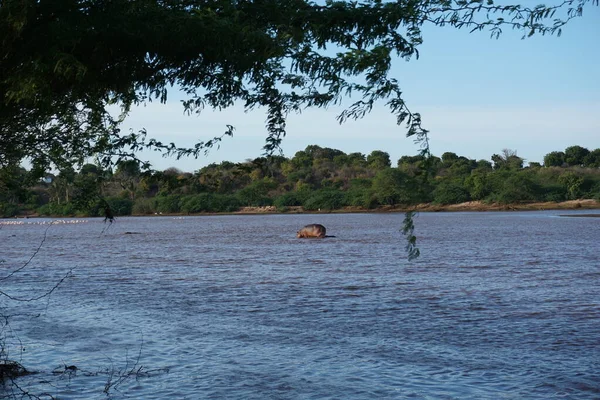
316	178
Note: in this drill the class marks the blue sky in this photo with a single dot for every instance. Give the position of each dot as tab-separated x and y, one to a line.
476	95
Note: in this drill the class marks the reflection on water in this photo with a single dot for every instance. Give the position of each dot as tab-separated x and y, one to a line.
500	305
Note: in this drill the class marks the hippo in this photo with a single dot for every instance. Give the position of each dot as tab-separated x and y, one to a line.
312	231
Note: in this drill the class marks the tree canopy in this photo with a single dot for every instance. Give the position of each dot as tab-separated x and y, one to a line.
65	63
310	180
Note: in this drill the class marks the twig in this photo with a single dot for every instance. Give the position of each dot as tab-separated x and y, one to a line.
32	256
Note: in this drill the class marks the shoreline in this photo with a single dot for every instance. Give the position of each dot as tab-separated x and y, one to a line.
471	206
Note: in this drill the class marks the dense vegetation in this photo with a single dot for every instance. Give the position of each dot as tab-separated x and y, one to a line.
315	179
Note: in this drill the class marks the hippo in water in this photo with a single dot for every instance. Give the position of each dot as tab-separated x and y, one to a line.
312	231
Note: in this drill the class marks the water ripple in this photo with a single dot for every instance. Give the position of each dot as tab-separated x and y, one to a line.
212	310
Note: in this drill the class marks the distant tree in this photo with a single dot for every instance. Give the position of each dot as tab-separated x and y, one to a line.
478	184
302	159
592	160
325	199
90	169
462	166
167	180
554	159
173	171
120	206
450	193
262	167
128	175
13	189
575	155
412	165
357	159
323	169
149	185
448	158
359	193
572	182
341	160
317	152
378	160
508	159
392	186
289	199
516	188
257	193
484	165
406	160
168	203
62	185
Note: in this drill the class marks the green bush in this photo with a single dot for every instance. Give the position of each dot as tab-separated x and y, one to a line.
325	200
8	210
197	203
594	192
253	200
517	189
143	206
573	184
225	203
289	199
360	197
555	193
120	206
57	210
392	186
450	193
478	185
256	193
168	204
209	202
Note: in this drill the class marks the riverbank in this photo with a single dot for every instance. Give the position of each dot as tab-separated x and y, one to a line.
586	204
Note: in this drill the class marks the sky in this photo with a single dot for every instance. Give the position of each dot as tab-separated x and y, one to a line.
476	95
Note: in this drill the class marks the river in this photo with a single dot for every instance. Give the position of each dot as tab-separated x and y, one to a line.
499	305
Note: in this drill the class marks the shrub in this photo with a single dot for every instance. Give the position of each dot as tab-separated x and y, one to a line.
450	193
59	210
209	202
225	203
168	204
325	200
392	186
196	203
120	206
256	193
360	197
517	188
289	199
8	210
144	206
555	193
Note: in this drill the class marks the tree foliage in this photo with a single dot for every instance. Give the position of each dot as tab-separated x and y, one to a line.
228	186
576	155
508	159
65	63
554	159
379	160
